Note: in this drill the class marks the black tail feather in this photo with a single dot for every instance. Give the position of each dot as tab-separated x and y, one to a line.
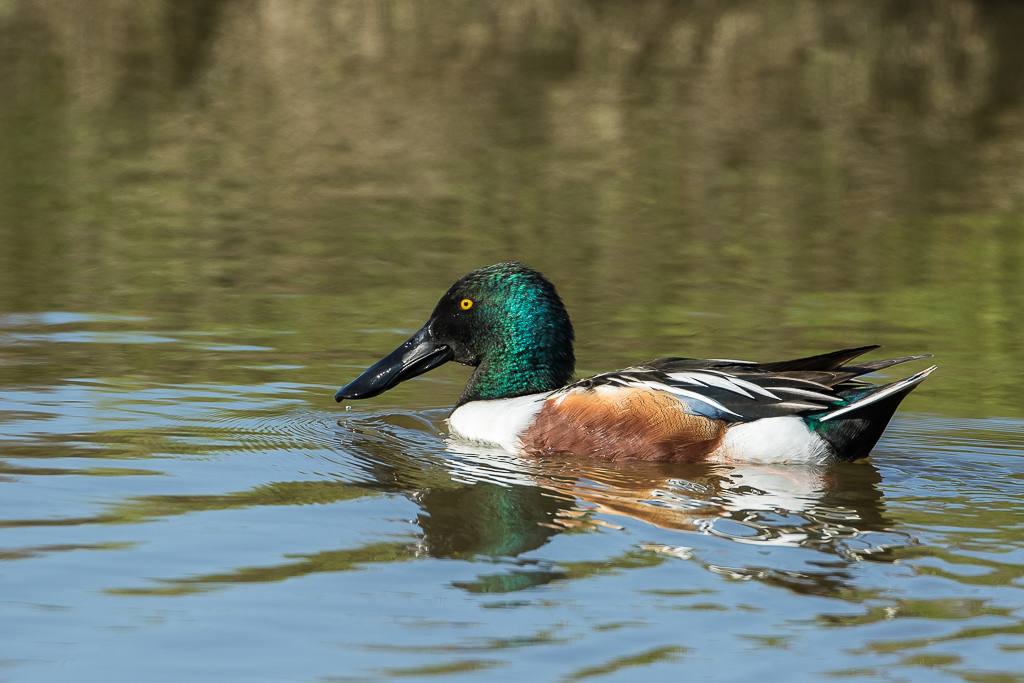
873	365
824	361
859	425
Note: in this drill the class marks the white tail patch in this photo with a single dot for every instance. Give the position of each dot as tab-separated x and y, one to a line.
771	440
879	395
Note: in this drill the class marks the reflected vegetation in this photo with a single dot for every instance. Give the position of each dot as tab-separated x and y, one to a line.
148	508
657	654
336	561
742	179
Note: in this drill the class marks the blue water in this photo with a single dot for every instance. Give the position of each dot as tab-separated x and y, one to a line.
216	531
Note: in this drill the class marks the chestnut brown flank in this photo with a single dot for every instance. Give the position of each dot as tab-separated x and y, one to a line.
622	424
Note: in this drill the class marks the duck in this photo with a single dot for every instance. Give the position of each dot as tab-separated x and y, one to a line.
508	322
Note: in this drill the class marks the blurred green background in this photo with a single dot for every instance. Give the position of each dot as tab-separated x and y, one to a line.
712	179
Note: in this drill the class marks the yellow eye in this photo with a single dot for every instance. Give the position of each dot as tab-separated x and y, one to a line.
466	304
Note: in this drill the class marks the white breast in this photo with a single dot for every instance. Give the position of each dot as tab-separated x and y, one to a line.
498	423
772	440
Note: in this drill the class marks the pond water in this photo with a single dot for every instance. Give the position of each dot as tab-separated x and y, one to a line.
214	214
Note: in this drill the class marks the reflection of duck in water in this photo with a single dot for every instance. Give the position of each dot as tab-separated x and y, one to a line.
825	508
481	501
841	497
508	322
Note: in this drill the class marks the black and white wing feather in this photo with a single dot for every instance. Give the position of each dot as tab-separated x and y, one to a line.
741	391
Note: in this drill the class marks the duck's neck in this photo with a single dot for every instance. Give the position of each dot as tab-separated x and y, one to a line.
519	374
524	345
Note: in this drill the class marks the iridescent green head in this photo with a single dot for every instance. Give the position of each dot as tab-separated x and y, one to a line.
507	320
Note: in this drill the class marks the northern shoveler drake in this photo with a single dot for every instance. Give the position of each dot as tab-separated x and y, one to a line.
508	322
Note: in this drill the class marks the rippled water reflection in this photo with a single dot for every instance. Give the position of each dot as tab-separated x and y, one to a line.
268	536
